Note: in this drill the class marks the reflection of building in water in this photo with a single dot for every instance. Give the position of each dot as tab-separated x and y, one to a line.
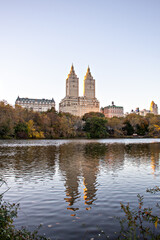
89	181
69	165
155	155
82	161
90	169
73	163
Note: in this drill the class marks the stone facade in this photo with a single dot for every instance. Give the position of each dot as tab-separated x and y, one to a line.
74	104
154	108
112	111
37	105
144	112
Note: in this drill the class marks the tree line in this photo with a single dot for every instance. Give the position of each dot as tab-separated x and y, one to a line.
20	123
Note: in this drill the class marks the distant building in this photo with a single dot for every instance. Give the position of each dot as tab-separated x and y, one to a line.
144	112
74	104
37	105
137	110
154	108
112	111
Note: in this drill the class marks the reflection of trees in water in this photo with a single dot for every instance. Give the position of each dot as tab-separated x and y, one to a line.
95	150
143	154
76	161
28	162
114	157
137	151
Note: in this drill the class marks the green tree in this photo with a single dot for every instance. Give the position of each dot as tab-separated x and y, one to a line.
128	129
142	127
92	114
96	127
21	130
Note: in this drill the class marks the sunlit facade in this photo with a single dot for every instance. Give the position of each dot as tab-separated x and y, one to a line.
74	104
154	108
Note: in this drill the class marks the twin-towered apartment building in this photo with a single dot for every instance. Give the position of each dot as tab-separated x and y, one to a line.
75	104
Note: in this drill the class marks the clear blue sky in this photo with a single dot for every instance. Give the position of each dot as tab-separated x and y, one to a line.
118	39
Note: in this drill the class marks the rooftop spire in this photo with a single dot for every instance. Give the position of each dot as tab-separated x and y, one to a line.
88	69
88	73
72	72
72	69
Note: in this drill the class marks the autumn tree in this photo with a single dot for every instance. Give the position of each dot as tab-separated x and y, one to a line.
7	120
128	129
115	126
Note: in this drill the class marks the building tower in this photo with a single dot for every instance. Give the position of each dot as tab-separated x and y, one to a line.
88	85
72	84
72	102
154	108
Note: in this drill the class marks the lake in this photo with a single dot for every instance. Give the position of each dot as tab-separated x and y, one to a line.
73	188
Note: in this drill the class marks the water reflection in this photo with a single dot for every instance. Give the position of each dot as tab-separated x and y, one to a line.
73	170
70	167
85	161
114	157
28	162
76	161
90	169
143	154
155	156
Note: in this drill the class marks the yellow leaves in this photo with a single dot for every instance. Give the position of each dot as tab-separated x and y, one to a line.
30	128
32	132
38	134
156	222
157	127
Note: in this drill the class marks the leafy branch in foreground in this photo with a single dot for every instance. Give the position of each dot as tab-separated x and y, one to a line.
7	230
139	223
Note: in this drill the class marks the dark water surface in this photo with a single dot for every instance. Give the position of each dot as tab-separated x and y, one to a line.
74	187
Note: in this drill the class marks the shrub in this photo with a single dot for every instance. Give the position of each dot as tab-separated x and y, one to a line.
7	229
139	223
